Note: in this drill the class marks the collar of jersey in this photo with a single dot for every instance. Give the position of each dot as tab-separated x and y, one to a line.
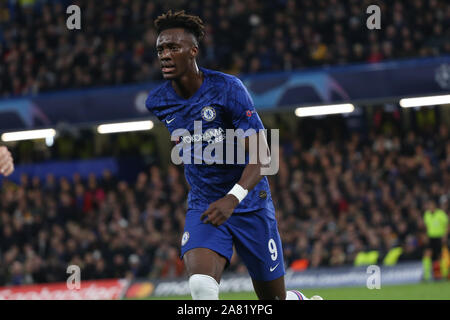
196	94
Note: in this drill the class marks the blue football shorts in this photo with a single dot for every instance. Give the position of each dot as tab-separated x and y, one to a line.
254	234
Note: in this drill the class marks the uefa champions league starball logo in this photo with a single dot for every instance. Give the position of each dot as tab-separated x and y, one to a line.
442	76
208	113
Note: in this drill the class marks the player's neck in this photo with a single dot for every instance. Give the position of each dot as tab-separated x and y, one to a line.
188	84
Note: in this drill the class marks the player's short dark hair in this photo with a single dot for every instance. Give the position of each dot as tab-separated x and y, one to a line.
179	19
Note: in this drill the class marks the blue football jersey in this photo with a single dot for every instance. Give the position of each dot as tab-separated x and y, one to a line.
222	102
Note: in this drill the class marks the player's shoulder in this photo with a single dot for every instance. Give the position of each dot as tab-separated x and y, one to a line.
158	95
158	89
222	79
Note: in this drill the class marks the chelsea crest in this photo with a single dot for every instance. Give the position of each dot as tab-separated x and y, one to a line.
208	113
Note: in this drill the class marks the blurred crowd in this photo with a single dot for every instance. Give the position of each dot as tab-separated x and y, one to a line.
109	228
116	43
336	199
335	196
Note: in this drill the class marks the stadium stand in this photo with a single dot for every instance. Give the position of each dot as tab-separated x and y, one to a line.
117	42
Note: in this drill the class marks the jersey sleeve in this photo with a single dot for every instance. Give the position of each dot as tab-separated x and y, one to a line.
156	100
241	108
150	104
426	217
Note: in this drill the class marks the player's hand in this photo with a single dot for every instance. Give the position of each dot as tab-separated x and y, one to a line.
6	162
219	211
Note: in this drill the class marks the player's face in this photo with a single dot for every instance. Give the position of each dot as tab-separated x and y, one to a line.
176	50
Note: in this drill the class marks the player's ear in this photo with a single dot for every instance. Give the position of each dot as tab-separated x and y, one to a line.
194	52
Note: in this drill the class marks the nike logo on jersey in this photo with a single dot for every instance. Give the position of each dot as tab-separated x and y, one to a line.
273	268
169	121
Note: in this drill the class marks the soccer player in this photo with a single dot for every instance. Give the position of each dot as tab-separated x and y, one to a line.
228	204
6	162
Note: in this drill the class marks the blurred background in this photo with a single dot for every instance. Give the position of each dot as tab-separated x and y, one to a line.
353	187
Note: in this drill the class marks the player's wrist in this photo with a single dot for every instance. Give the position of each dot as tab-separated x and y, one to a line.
233	199
239	192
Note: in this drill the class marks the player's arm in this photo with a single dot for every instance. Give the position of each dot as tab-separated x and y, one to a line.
6	162
244	117
259	157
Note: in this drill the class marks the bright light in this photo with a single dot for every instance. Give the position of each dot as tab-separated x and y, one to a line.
324	110
424	101
28	135
125	127
49	141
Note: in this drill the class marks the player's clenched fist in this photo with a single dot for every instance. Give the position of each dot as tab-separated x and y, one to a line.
6	162
219	211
